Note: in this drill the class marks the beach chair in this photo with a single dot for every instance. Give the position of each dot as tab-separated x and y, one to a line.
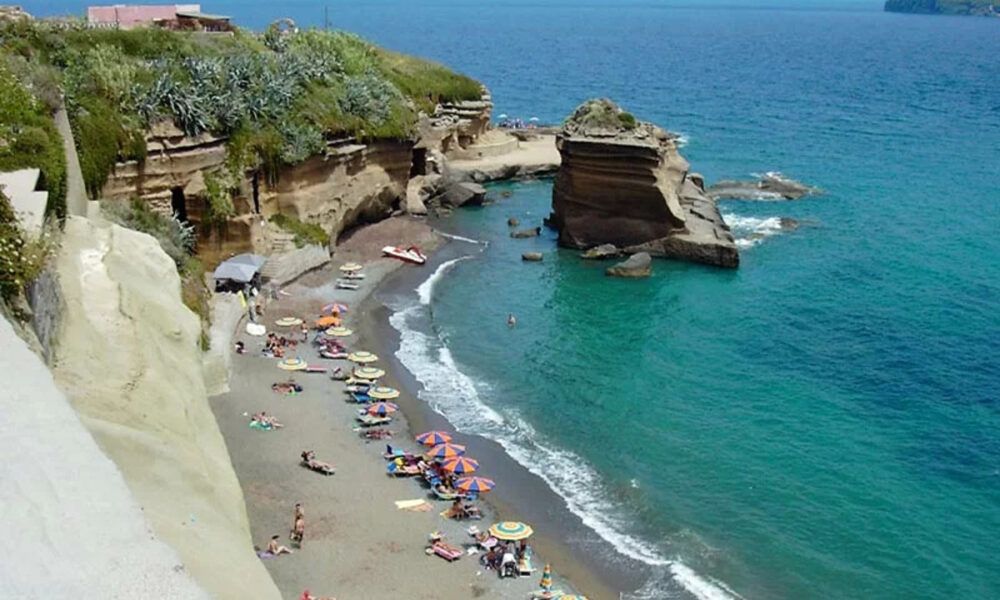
524	568
370	421
360	397
446	551
311	369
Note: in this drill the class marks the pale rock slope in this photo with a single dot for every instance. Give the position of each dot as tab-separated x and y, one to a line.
128	359
73	528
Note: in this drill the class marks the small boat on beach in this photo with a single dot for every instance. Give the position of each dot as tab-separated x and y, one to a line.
410	254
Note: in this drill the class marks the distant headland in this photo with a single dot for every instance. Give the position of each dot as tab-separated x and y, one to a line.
977	8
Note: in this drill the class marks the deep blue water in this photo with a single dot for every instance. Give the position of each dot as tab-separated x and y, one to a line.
823	422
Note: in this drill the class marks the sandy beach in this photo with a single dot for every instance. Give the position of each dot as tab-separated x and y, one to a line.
357	543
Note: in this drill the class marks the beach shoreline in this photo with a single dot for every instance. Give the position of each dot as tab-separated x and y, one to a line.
320	419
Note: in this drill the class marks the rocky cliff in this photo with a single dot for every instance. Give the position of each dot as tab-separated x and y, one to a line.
128	358
978	8
623	182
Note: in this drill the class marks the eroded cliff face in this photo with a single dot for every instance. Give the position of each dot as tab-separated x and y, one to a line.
625	183
128	358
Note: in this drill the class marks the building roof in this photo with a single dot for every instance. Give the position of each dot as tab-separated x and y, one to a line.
29	205
204	16
129	15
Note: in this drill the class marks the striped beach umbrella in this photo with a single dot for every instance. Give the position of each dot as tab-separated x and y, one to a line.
512	531
460	465
480	485
292	364
433	438
350	267
339	332
335	307
288	322
362	357
446	451
381	409
572	597
368	373
546	582
383	393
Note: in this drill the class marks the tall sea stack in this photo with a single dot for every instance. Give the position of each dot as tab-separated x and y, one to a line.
623	182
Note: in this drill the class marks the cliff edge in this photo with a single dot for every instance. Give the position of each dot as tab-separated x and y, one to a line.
129	360
623	182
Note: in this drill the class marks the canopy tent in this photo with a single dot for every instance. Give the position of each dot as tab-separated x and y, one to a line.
241	268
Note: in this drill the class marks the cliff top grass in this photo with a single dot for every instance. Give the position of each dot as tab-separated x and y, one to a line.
278	94
600	115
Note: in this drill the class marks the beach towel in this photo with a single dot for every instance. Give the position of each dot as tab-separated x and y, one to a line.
405	504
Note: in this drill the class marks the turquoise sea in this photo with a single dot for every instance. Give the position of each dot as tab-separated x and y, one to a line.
823	422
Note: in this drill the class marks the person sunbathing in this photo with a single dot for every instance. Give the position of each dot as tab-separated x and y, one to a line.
269	420
275	548
309	459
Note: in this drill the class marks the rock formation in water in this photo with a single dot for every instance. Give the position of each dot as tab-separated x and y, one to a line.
636	266
623	182
129	359
769	186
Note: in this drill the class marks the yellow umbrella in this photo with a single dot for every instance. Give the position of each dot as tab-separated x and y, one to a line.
288	322
362	357
293	364
350	267
368	373
339	332
383	393
511	531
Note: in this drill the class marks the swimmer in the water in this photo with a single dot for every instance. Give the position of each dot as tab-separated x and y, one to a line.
511	321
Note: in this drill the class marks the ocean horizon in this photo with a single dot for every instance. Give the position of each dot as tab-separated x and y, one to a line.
823	422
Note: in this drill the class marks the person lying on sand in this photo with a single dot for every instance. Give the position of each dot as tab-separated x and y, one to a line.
309	459
307	596
267	420
275	548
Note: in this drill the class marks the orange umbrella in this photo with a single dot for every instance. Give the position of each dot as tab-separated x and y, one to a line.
446	450
324	322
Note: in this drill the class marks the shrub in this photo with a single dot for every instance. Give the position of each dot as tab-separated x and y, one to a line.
305	233
177	239
22	258
426	83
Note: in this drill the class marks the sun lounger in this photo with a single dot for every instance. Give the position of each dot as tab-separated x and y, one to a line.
524	568
332	355
397	471
446	551
346	285
312	369
370	421
361	398
449	496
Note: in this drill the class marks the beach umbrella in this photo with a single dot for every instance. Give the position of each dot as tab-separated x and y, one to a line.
288	322
292	364
534	119
546	582
368	373
381	409
339	332
512	531
350	267
362	357
335	307
480	485
503	116
383	393
446	450
460	465
324	322
434	438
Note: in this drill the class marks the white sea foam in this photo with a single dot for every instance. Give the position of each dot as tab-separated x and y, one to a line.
452	236
455	395
750	231
426	289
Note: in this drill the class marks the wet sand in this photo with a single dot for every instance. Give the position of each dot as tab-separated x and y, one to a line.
357	543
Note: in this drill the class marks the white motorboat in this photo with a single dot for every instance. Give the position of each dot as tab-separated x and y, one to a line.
411	254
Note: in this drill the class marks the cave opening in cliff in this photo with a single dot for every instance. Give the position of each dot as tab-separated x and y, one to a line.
419	164
178	204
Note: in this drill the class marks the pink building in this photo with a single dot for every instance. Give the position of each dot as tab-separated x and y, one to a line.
128	16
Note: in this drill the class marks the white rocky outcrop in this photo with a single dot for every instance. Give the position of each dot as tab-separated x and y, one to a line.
128	358
74	528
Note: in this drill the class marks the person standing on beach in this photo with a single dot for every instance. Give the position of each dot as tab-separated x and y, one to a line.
299	531
299	515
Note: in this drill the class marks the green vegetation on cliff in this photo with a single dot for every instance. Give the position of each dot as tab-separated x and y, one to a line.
28	136
278	96
602	114
981	8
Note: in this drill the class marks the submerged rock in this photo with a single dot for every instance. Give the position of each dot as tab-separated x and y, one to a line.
526	233
770	186
601	252
623	182
635	266
532	256
512	222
